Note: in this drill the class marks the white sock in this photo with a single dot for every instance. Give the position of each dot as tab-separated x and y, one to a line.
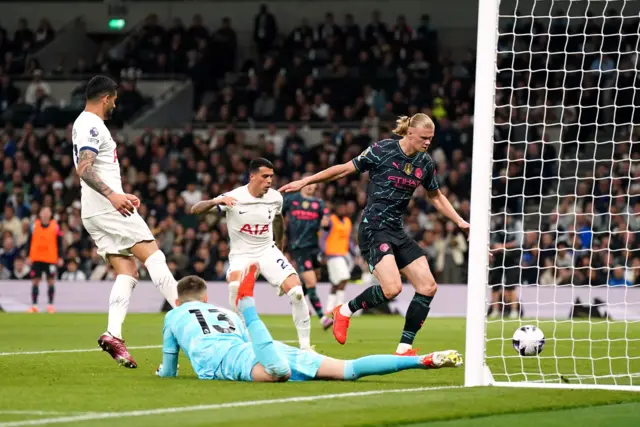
402	348
331	303
345	310
119	303
161	277
339	297
233	293
300	313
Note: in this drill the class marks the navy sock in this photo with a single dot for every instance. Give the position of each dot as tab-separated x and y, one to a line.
370	298
416	314
51	292
35	290
315	301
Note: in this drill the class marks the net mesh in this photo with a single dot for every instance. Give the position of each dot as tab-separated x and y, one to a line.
565	229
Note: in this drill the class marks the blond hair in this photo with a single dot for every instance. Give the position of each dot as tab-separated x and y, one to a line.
419	120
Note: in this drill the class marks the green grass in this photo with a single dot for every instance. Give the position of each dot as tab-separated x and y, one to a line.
74	383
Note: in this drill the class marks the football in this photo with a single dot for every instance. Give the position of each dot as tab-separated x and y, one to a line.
528	340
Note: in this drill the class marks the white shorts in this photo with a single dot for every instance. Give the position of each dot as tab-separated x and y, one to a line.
274	266
338	269
115	234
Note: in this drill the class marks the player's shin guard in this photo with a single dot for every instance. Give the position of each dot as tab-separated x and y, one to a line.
161	277
273	361
35	290
416	314
119	303
315	301
379	365
300	313
371	297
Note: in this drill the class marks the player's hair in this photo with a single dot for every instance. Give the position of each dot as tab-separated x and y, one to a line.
419	120
100	86
258	163
191	287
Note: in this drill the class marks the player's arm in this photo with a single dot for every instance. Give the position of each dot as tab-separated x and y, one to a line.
170	350
219	203
439	201
330	174
278	230
88	173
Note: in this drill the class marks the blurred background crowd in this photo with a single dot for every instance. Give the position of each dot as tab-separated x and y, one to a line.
563	210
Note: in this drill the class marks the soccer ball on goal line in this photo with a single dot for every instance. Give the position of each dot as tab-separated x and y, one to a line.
528	340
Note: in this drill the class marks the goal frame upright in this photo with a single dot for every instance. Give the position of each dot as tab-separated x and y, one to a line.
477	372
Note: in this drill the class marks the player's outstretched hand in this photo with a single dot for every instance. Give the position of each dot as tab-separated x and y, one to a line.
134	200
292	187
122	204
226	200
464	226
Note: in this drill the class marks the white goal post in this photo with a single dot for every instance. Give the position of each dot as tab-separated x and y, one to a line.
555	194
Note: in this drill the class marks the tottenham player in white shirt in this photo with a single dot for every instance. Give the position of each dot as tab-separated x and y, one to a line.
110	216
254	219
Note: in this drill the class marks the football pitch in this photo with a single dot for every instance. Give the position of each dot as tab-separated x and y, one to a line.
52	373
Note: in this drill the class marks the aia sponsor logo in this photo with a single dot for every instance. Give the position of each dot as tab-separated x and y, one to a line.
255	230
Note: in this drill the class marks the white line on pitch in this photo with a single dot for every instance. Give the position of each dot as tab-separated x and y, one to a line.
87	350
142	413
38	413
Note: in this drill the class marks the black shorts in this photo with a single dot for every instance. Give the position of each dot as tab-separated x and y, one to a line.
376	243
306	259
39	268
504	273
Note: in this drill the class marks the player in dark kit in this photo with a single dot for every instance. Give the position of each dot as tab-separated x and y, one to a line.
396	169
306	215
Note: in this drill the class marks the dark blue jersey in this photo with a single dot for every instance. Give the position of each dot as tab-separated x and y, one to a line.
304	215
393	178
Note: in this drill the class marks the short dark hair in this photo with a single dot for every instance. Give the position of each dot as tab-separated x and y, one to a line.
100	86
258	163
191	286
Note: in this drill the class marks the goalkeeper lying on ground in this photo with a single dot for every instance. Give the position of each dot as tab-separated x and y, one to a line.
217	343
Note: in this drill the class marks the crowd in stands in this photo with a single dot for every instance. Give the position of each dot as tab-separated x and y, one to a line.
356	81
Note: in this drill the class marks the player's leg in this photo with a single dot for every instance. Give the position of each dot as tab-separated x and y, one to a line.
126	279
307	266
235	274
36	274
419	275
277	270
51	287
348	370
339	275
156	263
383	263
272	365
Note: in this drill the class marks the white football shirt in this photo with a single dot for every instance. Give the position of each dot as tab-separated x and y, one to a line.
90	133
250	221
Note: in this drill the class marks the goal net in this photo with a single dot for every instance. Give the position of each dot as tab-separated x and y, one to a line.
558	107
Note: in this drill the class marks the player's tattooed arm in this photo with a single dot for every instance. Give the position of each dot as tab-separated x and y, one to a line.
89	175
278	230
203	207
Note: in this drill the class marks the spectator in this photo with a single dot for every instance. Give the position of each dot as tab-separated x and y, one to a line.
73	273
44	33
37	90
265	30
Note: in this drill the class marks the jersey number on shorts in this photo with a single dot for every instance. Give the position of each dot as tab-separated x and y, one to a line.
221	318
283	264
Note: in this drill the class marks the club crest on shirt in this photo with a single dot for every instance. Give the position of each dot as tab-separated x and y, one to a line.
305	204
419	173
93	132
408	168
74	133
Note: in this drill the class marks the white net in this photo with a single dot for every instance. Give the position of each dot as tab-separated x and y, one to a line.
565	229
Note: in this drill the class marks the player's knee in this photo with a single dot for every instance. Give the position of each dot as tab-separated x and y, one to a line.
156	258
427	287
392	289
296	293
